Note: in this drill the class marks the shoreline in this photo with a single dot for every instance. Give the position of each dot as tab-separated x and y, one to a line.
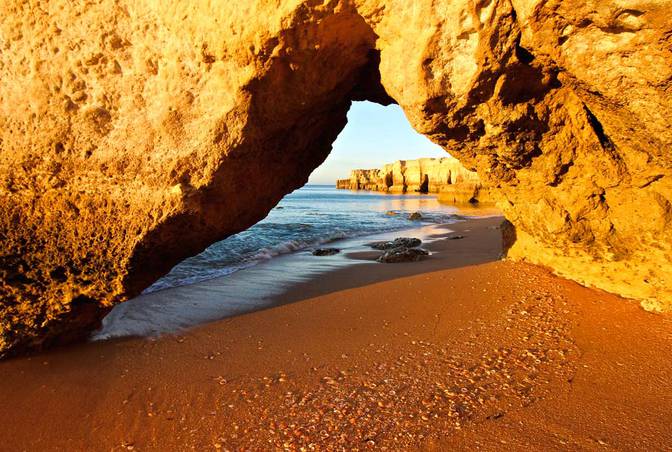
460	351
393	208
281	278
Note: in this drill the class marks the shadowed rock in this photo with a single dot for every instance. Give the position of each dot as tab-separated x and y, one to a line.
402	254
326	251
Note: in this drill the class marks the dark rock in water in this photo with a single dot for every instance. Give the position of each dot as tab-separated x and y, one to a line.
456	237
415	216
402	254
326	251
406	242
391	213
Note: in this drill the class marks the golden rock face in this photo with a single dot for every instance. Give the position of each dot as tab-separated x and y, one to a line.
135	133
446	176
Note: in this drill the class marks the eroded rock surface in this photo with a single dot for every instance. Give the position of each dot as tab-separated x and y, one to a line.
133	133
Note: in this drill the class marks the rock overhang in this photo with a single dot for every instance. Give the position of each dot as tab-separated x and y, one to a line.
132	142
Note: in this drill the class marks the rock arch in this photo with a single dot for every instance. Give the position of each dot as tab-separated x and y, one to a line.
129	131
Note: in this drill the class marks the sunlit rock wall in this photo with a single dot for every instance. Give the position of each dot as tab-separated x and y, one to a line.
446	176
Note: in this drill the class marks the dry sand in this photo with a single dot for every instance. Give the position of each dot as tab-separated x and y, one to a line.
458	352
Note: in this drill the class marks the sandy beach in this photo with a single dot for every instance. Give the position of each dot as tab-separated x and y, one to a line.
461	351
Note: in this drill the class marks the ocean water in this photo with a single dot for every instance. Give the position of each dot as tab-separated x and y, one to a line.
312	216
248	271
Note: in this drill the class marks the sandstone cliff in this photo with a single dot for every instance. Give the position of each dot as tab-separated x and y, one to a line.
446	176
132	132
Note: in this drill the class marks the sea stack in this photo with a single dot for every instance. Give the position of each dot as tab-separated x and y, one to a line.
445	176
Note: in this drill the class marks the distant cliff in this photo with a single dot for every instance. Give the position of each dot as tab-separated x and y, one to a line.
445	176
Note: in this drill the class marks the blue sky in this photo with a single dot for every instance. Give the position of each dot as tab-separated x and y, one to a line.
374	135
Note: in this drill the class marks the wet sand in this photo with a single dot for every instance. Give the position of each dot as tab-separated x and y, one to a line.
457	352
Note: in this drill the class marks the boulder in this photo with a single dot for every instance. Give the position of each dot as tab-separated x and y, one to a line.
406	242
326	251
415	216
402	254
